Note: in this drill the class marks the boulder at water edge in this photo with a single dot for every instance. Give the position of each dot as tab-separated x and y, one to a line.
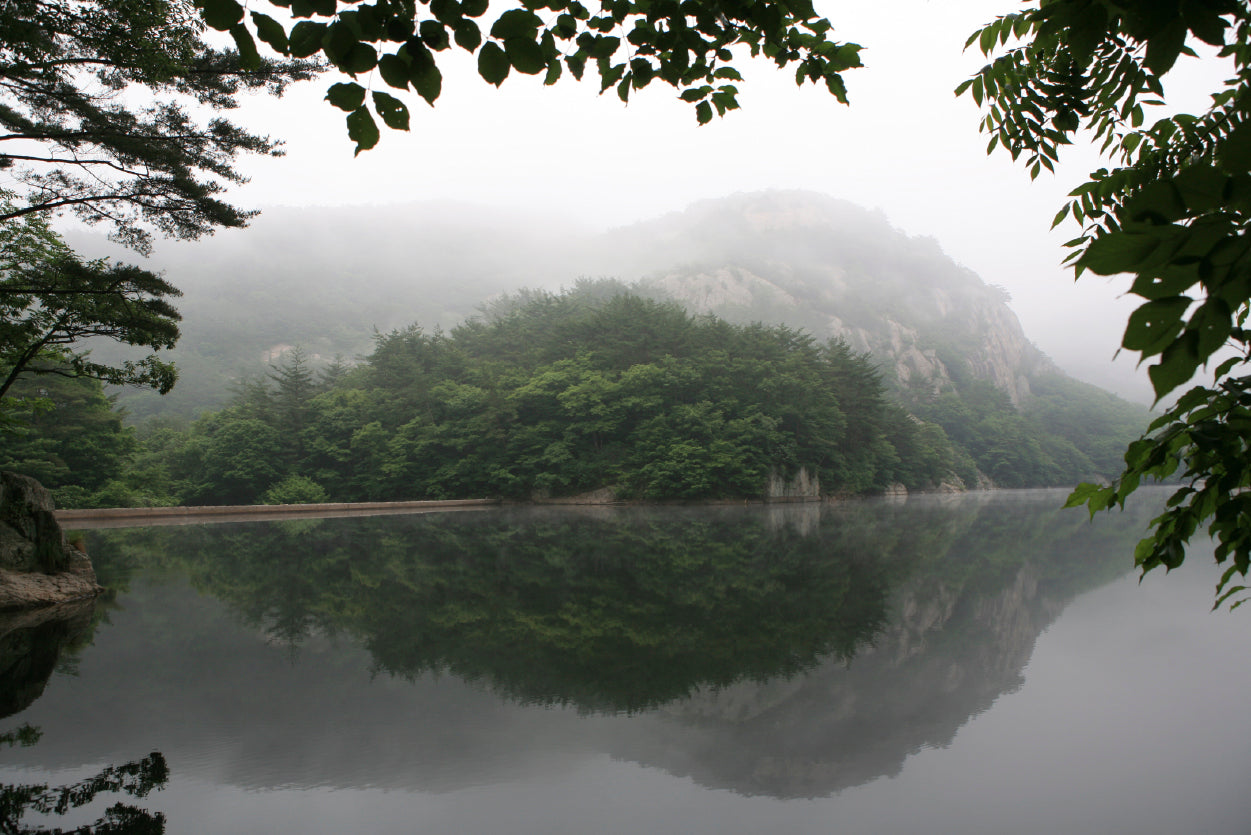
37	567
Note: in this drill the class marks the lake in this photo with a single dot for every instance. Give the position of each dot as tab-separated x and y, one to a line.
983	663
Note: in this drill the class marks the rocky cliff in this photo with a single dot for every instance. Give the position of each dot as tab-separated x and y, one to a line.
835	270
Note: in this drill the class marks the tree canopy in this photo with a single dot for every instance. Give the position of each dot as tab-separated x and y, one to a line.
51	300
631	43
1172	214
75	138
558	396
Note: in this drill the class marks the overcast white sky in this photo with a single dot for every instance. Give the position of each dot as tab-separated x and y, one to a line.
906	145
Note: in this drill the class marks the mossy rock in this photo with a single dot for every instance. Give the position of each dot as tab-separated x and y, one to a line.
30	537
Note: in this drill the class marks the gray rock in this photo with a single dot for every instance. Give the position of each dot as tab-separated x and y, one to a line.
30	538
37	567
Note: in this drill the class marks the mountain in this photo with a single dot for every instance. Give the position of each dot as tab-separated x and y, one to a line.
326	279
947	344
837	270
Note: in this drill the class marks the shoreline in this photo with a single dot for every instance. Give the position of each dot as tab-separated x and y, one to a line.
133	517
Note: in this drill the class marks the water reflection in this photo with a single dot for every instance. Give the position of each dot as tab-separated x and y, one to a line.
31	645
785	651
135	779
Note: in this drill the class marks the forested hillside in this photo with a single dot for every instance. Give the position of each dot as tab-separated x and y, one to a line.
560	395
318	366
326	279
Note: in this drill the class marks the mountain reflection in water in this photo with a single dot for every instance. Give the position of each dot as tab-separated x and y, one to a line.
783	651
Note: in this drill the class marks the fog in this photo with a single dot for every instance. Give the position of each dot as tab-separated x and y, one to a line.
905	146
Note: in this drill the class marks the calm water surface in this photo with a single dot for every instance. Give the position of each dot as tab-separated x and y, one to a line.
975	664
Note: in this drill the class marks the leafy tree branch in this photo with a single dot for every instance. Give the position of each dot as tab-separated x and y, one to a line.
1173	216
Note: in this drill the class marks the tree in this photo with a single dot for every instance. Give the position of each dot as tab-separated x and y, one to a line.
74	438
687	45
50	300
72	140
1173	214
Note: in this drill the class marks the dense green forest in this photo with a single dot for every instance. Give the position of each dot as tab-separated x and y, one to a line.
553	395
561	395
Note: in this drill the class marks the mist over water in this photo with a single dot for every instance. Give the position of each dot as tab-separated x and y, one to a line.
978	663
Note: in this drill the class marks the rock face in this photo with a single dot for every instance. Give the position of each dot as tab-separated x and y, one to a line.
836	270
37	567
800	487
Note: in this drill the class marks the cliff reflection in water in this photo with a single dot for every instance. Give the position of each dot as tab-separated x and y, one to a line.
790	651
32	643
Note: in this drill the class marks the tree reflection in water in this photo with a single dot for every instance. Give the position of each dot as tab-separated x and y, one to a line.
136	779
32	643
617	610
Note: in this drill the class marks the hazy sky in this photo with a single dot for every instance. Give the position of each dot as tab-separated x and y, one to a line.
906	145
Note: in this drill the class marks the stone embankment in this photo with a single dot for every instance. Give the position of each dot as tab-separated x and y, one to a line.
124	517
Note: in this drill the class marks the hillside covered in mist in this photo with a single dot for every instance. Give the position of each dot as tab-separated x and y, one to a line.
359	286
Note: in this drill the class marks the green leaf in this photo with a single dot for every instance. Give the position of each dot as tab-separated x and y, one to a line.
360	58
220	14
1165	46
1158	202
362	129
703	112
346	95
1177	365
554	71
566	26
307	8
604	47
1144	553
271	32
434	35
337	42
1202	187
394	112
306	37
525	55
249	58
366	23
1060	215
493	64
428	82
474	8
1118	252
1082	493
1225	367
446	12
1155	324
1213	322
1169	282
642	71
467	35
394	71
1205	22
516	23
986	42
